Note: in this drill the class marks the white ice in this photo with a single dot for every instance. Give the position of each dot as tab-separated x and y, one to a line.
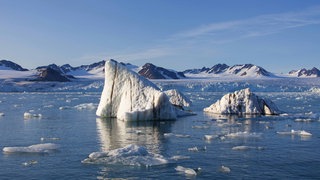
244	134
187	171
28	115
37	148
130	97
132	155
243	102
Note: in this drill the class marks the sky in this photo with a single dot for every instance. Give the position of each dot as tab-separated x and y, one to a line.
278	35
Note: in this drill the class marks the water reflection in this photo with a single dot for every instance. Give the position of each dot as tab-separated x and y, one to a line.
115	134
236	123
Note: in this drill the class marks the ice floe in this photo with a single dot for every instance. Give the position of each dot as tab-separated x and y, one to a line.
196	149
244	134
131	155
244	148
28	115
302	133
188	171
176	135
224	169
30	163
37	148
243	102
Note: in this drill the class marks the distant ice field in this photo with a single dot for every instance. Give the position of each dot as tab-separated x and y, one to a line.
61	138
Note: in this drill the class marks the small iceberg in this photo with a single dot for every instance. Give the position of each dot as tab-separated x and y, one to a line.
86	106
244	148
130	155
188	171
243	102
28	115
37	148
302	133
244	134
224	169
30	163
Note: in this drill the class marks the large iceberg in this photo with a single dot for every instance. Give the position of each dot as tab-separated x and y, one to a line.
243	102
130	97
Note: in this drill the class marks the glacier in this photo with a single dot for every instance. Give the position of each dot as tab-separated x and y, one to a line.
243	102
130	97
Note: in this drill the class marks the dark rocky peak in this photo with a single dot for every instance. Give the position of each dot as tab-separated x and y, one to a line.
12	65
151	71
50	74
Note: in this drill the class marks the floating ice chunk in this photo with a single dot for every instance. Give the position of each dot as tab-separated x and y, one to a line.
188	171
49	138
1	114
176	135
304	133
178	157
196	149
133	155
37	148
224	169
64	107
243	102
303	120
29	163
244	134
242	148
294	132
210	137
88	106
200	127
28	115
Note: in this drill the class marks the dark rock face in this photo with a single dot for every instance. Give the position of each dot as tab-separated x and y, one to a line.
314	72
49	74
151	71
236	69
12	65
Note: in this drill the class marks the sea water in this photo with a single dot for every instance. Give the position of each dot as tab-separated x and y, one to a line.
63	139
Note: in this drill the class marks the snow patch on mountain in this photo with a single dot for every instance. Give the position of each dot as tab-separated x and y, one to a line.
314	72
223	70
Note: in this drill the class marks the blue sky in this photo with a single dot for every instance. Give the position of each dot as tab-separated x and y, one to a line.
279	35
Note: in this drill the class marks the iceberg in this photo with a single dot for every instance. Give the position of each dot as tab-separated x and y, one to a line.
243	102
129	97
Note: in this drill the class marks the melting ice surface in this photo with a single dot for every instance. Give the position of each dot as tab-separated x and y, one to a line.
36	148
130	155
225	147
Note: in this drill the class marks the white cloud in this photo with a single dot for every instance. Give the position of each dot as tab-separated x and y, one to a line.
256	26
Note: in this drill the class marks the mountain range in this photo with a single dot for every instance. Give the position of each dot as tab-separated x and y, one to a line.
53	72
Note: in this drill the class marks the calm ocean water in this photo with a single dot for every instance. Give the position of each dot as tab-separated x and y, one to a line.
249	146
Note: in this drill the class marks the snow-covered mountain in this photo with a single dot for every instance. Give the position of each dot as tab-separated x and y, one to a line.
151	71
9	65
223	70
314	72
